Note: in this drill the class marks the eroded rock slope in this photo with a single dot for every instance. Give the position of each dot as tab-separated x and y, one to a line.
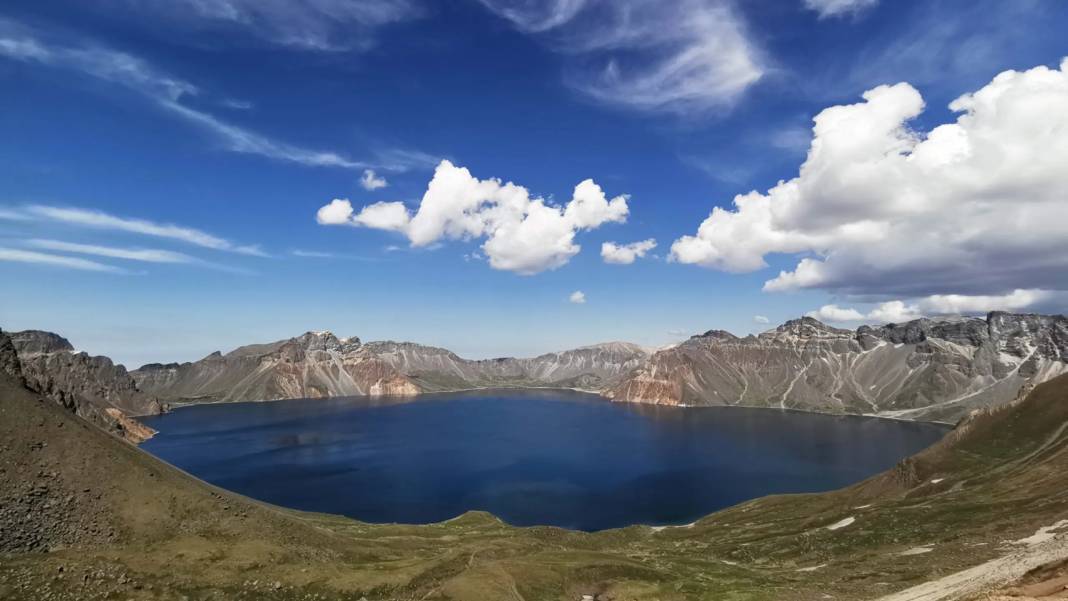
924	369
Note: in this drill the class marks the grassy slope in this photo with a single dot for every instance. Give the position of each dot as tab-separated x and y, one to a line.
123	525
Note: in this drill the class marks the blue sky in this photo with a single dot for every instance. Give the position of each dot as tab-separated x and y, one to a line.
234	122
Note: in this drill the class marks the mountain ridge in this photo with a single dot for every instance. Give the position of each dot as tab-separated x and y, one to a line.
85	516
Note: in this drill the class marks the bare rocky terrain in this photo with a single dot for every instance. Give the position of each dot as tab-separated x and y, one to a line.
84	515
91	386
934	370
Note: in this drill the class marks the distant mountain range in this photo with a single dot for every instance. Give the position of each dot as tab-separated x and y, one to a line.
933	370
85	516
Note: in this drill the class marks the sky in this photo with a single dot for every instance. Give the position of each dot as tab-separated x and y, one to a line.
512	177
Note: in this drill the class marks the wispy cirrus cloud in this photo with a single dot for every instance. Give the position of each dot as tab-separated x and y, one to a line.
148	255
171	94
100	220
837	8
678	56
316	25
15	255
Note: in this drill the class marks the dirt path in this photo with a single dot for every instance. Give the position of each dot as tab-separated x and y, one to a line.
990	575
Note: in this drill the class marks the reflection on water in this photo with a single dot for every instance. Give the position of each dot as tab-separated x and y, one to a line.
529	456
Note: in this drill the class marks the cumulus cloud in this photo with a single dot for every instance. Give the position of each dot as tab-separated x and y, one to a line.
882	211
100	220
372	181
171	94
761	319
835	8
898	311
834	313
625	254
577	297
522	233
657	55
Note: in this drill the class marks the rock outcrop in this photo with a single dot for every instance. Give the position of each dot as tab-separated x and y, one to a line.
588	368
926	369
90	386
315	364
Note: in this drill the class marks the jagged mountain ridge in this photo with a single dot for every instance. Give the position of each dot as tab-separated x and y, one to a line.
83	516
925	369
92	387
318	364
588	368
315	364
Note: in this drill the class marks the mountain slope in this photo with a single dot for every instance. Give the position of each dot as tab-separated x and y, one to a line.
318	364
90	386
589	368
118	523
924	369
315	364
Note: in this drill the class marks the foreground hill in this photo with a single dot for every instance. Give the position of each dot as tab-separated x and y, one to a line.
85	516
935	370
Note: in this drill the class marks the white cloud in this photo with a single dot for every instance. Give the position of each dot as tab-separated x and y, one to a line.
322	25
894	311
834	313
959	304
372	181
974	207
523	234
380	215
101	220
834	8
38	258
761	319
625	254
148	255
169	94
311	254
338	212
577	297
898	311
658	55
384	216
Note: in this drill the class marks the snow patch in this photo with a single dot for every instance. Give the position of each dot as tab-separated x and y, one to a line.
1042	534
842	523
917	551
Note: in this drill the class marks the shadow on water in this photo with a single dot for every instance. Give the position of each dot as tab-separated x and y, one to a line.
530	456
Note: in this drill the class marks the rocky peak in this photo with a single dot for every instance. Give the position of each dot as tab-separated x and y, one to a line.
804	329
718	336
9	358
325	341
35	342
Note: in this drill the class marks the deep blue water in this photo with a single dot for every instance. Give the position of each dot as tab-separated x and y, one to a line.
530	457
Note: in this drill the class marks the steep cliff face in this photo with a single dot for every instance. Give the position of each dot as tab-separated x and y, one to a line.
924	369
315	364
589	368
91	387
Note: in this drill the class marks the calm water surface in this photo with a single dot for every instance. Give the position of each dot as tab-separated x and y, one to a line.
530	457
